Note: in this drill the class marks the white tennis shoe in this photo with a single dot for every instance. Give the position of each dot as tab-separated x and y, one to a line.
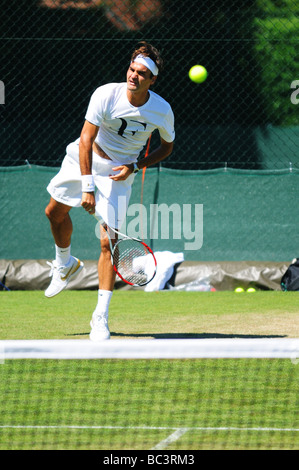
61	275
99	327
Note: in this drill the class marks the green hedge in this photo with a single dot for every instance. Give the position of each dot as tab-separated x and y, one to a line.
276	34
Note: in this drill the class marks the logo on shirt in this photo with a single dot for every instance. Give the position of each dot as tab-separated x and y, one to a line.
124	125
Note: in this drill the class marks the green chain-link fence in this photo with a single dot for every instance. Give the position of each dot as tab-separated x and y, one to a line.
54	53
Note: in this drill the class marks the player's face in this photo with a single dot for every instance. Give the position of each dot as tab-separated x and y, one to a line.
139	77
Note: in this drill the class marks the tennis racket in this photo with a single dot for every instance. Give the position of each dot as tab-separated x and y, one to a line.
132	259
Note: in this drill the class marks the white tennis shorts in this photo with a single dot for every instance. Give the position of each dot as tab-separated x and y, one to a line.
112	197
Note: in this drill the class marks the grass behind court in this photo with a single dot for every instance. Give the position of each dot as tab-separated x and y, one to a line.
138	314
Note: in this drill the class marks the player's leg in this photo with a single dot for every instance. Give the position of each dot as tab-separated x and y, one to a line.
113	211
66	192
65	266
60	222
99	322
105	268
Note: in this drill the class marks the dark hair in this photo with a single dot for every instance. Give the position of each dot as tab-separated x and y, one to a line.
150	51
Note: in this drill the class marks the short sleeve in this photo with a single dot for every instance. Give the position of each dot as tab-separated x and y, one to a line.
167	132
95	110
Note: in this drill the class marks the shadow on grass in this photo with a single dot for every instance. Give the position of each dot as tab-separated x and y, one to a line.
191	335
183	335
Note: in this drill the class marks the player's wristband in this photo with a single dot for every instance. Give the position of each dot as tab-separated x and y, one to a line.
87	184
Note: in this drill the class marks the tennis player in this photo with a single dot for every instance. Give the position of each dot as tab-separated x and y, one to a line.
99	169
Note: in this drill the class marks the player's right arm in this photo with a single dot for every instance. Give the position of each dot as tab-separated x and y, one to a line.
87	137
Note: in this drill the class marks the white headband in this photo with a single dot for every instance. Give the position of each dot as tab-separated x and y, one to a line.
148	62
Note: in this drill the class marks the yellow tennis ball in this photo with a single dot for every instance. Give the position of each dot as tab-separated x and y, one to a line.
239	289
198	73
251	289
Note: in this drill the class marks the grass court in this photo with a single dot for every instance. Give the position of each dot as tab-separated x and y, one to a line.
150	404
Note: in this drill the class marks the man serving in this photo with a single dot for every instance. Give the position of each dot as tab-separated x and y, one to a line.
119	120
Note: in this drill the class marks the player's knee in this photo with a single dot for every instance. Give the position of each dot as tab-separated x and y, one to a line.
54	215
48	212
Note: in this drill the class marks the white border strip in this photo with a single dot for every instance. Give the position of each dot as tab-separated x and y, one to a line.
284	348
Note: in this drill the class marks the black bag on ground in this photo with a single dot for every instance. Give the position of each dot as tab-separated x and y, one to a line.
290	279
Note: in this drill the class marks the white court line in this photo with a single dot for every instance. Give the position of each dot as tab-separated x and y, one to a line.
178	432
172	438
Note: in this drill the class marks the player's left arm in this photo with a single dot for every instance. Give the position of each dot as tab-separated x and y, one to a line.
163	151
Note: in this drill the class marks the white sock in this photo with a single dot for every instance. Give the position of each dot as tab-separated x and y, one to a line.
63	255
104	297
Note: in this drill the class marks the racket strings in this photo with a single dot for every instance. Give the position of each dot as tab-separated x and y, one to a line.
134	262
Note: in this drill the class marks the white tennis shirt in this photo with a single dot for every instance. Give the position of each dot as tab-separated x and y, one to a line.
123	128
